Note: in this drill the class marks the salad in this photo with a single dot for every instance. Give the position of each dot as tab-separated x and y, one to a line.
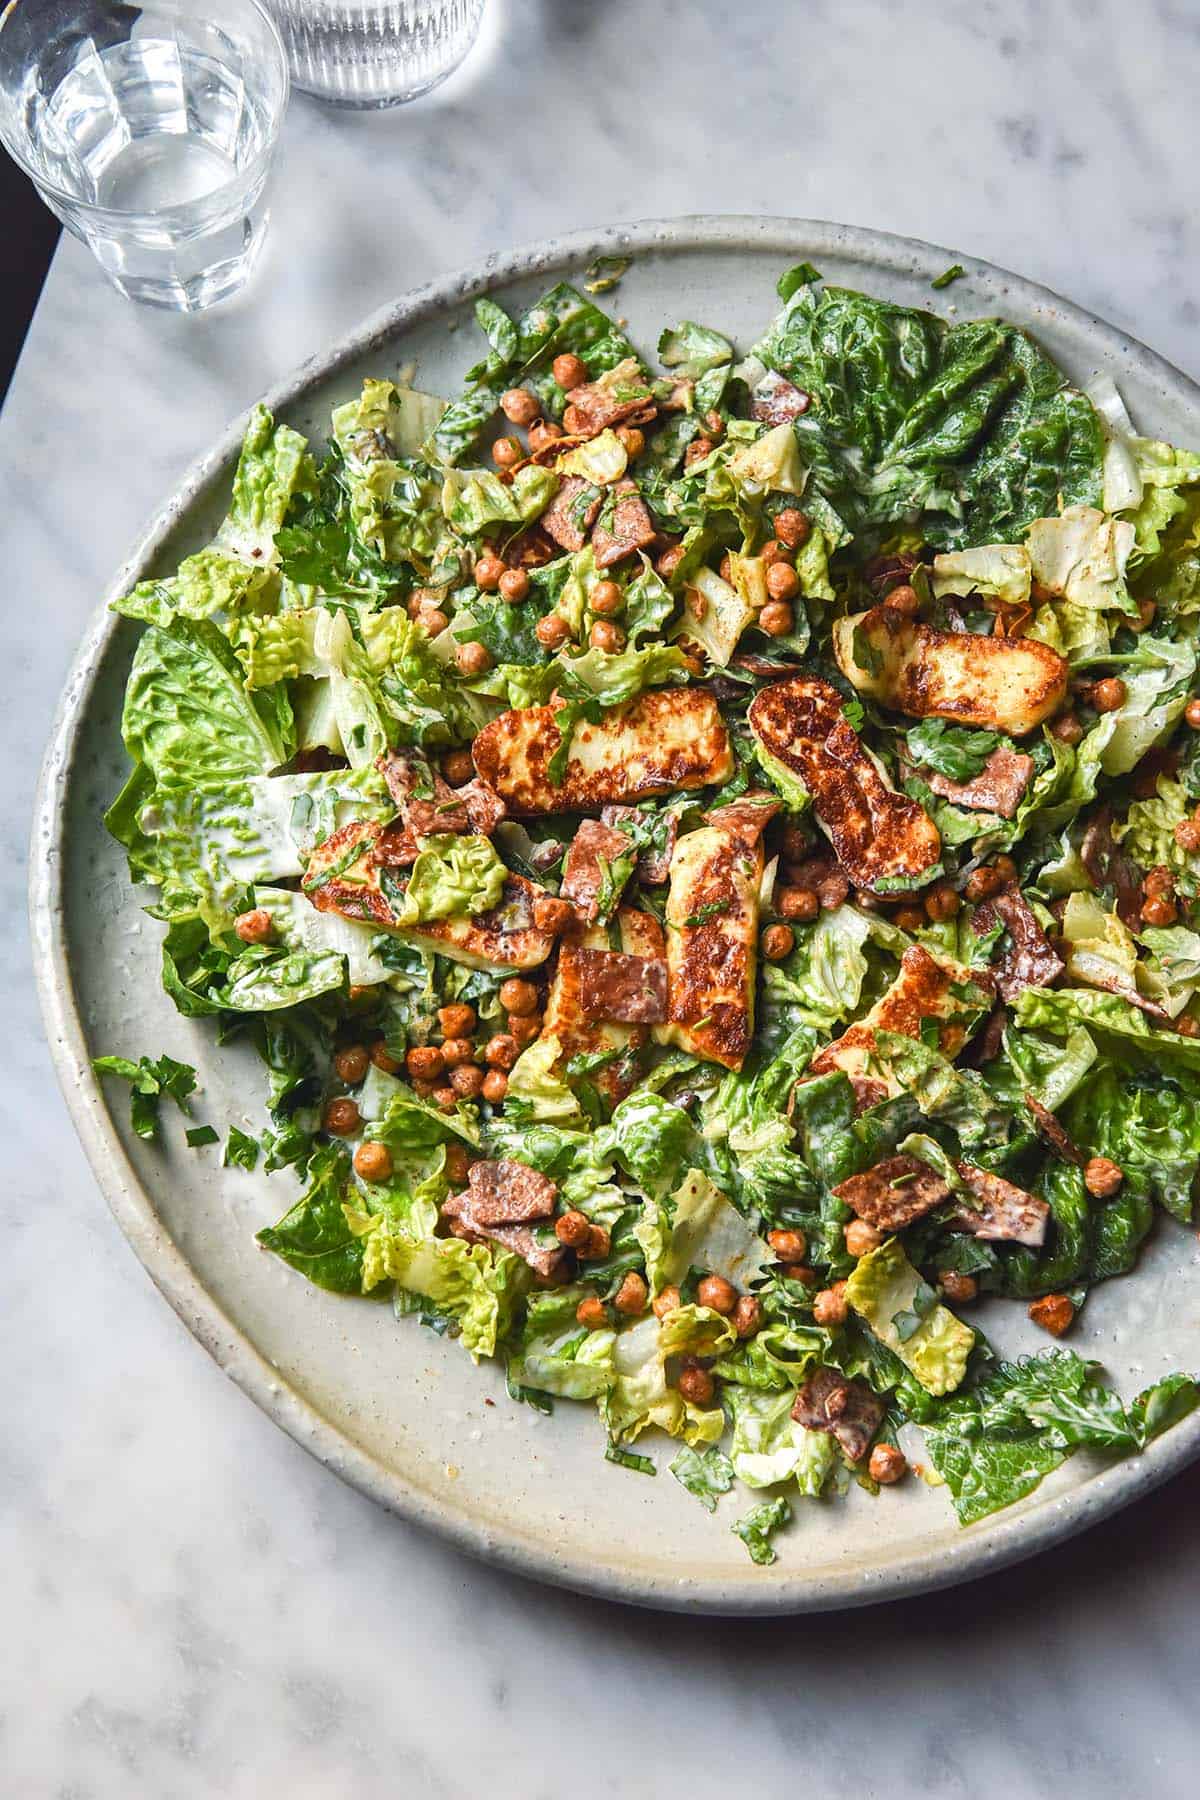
707	849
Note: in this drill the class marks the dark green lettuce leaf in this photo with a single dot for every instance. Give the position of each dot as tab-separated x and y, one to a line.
314	1236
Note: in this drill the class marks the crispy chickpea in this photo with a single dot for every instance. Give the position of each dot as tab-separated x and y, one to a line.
1146	611
488	571
697	450
341	1118
425	1062
861	1238
424	1090
373	1162
713	423
1108	695
724	570
383	1060
795	843
573	1229
1159	883
941	902
495	1086
783	583
832	890
667	1302
1053	1312
830	1306
457	1163
633	440
458	767
792	527
473	659
960	1288
696	1385
543	433
255	927
1102	1177
351	1064
1187	834
467	1079
1067	728
519	406
904	600
456	1021
444	1096
789	1246
360	990
432	620
552	631
552	914
797	903
887	1464
525	1029
669	561
747	1315
598	1245
604	635
517	996
501	1051
592	1313
801	1272
514	586
1158	910
1191	713
630	1297
776	618
456	1051
772	552
777	941
606	599
1187	1026
1006	868
507	452
569	371
910	918
716	1292
982	883
419	599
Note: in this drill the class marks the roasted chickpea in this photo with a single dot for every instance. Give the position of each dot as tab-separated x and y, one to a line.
341	1118
383	1060
507	452
373	1162
519	406
669	561
783	583
801	1272
604	635
789	1246
792	527
432	620
1187	834
495	1086
424	1090
552	914
777	941
904	600
772	552
445	1097
1187	1026
598	1245
543	433
724	570
696	1385
473	659
830	1306
552	631
351	1064
960	1288
360	990
488	571
457	1163
1159	911
1191	713
1067	728
592	1313
525	1029
713	423
887	1464
425	1062
630	1297
420	599
861	1238
501	1051
941	902
1102	1177
1006	868
667	1301
457	767
832	890
633	440
467	1080
747	1315
1108	695
776	618
716	1292
1146	611
514	586
697	450
569	371
255	927
573	1229
1159	883
517	996
456	1051
982	883
797	903
1053	1312
606	599
456	1021
910	918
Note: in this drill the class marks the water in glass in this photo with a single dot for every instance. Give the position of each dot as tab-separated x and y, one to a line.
368	53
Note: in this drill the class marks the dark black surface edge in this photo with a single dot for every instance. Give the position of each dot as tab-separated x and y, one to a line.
28	234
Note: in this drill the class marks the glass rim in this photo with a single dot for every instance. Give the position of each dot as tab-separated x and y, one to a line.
128	216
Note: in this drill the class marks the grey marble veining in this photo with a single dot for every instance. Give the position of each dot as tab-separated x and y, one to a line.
191	1606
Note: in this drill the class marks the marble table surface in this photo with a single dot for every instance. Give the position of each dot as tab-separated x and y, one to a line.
191	1606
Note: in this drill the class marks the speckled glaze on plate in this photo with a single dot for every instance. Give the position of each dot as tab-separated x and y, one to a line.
388	1406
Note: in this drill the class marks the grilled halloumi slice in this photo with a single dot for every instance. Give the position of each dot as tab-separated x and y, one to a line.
564	1017
712	938
927	987
666	738
883	840
1005	684
350	874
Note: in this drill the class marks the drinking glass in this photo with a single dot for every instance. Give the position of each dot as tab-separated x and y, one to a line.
373	53
149	130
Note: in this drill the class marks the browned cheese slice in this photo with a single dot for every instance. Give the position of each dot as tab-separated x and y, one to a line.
923	989
712	935
570	1017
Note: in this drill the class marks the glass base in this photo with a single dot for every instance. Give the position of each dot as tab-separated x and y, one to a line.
173	291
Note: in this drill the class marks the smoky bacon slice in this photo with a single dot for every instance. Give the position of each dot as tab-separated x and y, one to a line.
594	850
506	1192
619	397
776	401
1054	1134
571	514
1029	960
894	1193
629	989
999	787
428	804
878	834
630	528
549	1260
1108	866
653	865
1004	1213
832	1402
